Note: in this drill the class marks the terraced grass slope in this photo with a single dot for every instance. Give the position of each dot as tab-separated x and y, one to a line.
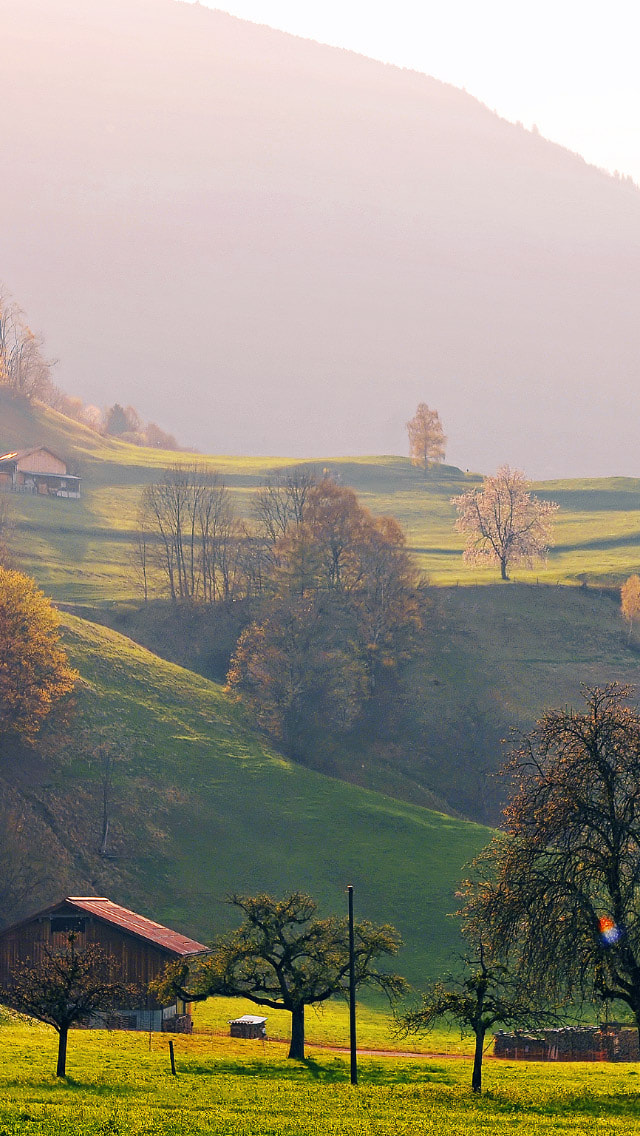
202	807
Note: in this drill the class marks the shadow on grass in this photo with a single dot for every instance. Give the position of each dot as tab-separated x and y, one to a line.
330	1071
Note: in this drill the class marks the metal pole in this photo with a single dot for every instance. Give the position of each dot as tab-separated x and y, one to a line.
352	992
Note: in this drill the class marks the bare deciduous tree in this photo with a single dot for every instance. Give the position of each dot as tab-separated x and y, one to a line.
23	368
281	501
284	957
189	514
66	988
561	889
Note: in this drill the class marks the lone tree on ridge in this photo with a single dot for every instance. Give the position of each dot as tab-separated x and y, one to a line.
504	522
427	439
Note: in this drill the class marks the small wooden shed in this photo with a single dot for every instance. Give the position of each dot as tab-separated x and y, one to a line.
37	470
248	1026
141	948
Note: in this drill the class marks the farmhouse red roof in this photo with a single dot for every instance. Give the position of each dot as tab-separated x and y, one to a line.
135	924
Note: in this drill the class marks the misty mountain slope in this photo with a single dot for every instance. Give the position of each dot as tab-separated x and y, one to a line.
271	246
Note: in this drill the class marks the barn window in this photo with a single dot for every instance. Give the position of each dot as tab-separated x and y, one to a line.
68	923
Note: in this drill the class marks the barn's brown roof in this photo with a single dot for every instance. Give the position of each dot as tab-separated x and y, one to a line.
17	454
138	925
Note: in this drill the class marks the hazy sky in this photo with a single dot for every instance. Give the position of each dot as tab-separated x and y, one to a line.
569	66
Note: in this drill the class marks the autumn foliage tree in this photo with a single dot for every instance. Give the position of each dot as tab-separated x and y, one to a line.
340	608
504	523
426	438
34	671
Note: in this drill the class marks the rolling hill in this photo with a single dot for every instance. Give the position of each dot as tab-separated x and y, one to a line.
201	804
273	246
201	807
495	656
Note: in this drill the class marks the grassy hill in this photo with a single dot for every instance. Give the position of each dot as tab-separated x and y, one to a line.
202	807
82	551
496	655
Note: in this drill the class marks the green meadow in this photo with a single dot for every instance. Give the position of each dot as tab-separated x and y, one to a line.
203	806
82	551
120	1084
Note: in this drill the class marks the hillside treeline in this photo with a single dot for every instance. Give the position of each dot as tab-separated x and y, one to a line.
325	600
26	372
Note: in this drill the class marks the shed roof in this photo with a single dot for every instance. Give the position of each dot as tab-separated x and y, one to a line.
15	455
137	925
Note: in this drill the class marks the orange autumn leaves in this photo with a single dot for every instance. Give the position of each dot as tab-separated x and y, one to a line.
34	671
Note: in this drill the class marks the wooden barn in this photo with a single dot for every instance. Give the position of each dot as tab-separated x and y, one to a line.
38	471
140	947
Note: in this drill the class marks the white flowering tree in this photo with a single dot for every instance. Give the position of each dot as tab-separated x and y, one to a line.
504	523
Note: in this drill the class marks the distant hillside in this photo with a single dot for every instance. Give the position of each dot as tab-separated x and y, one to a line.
278	247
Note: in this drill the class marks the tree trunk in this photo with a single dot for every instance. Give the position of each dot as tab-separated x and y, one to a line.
476	1080
62	1052
503	570
296	1049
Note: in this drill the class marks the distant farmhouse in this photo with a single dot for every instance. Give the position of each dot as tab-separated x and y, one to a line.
37	470
141	947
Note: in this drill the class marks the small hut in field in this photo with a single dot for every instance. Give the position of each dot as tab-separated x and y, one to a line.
248	1026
